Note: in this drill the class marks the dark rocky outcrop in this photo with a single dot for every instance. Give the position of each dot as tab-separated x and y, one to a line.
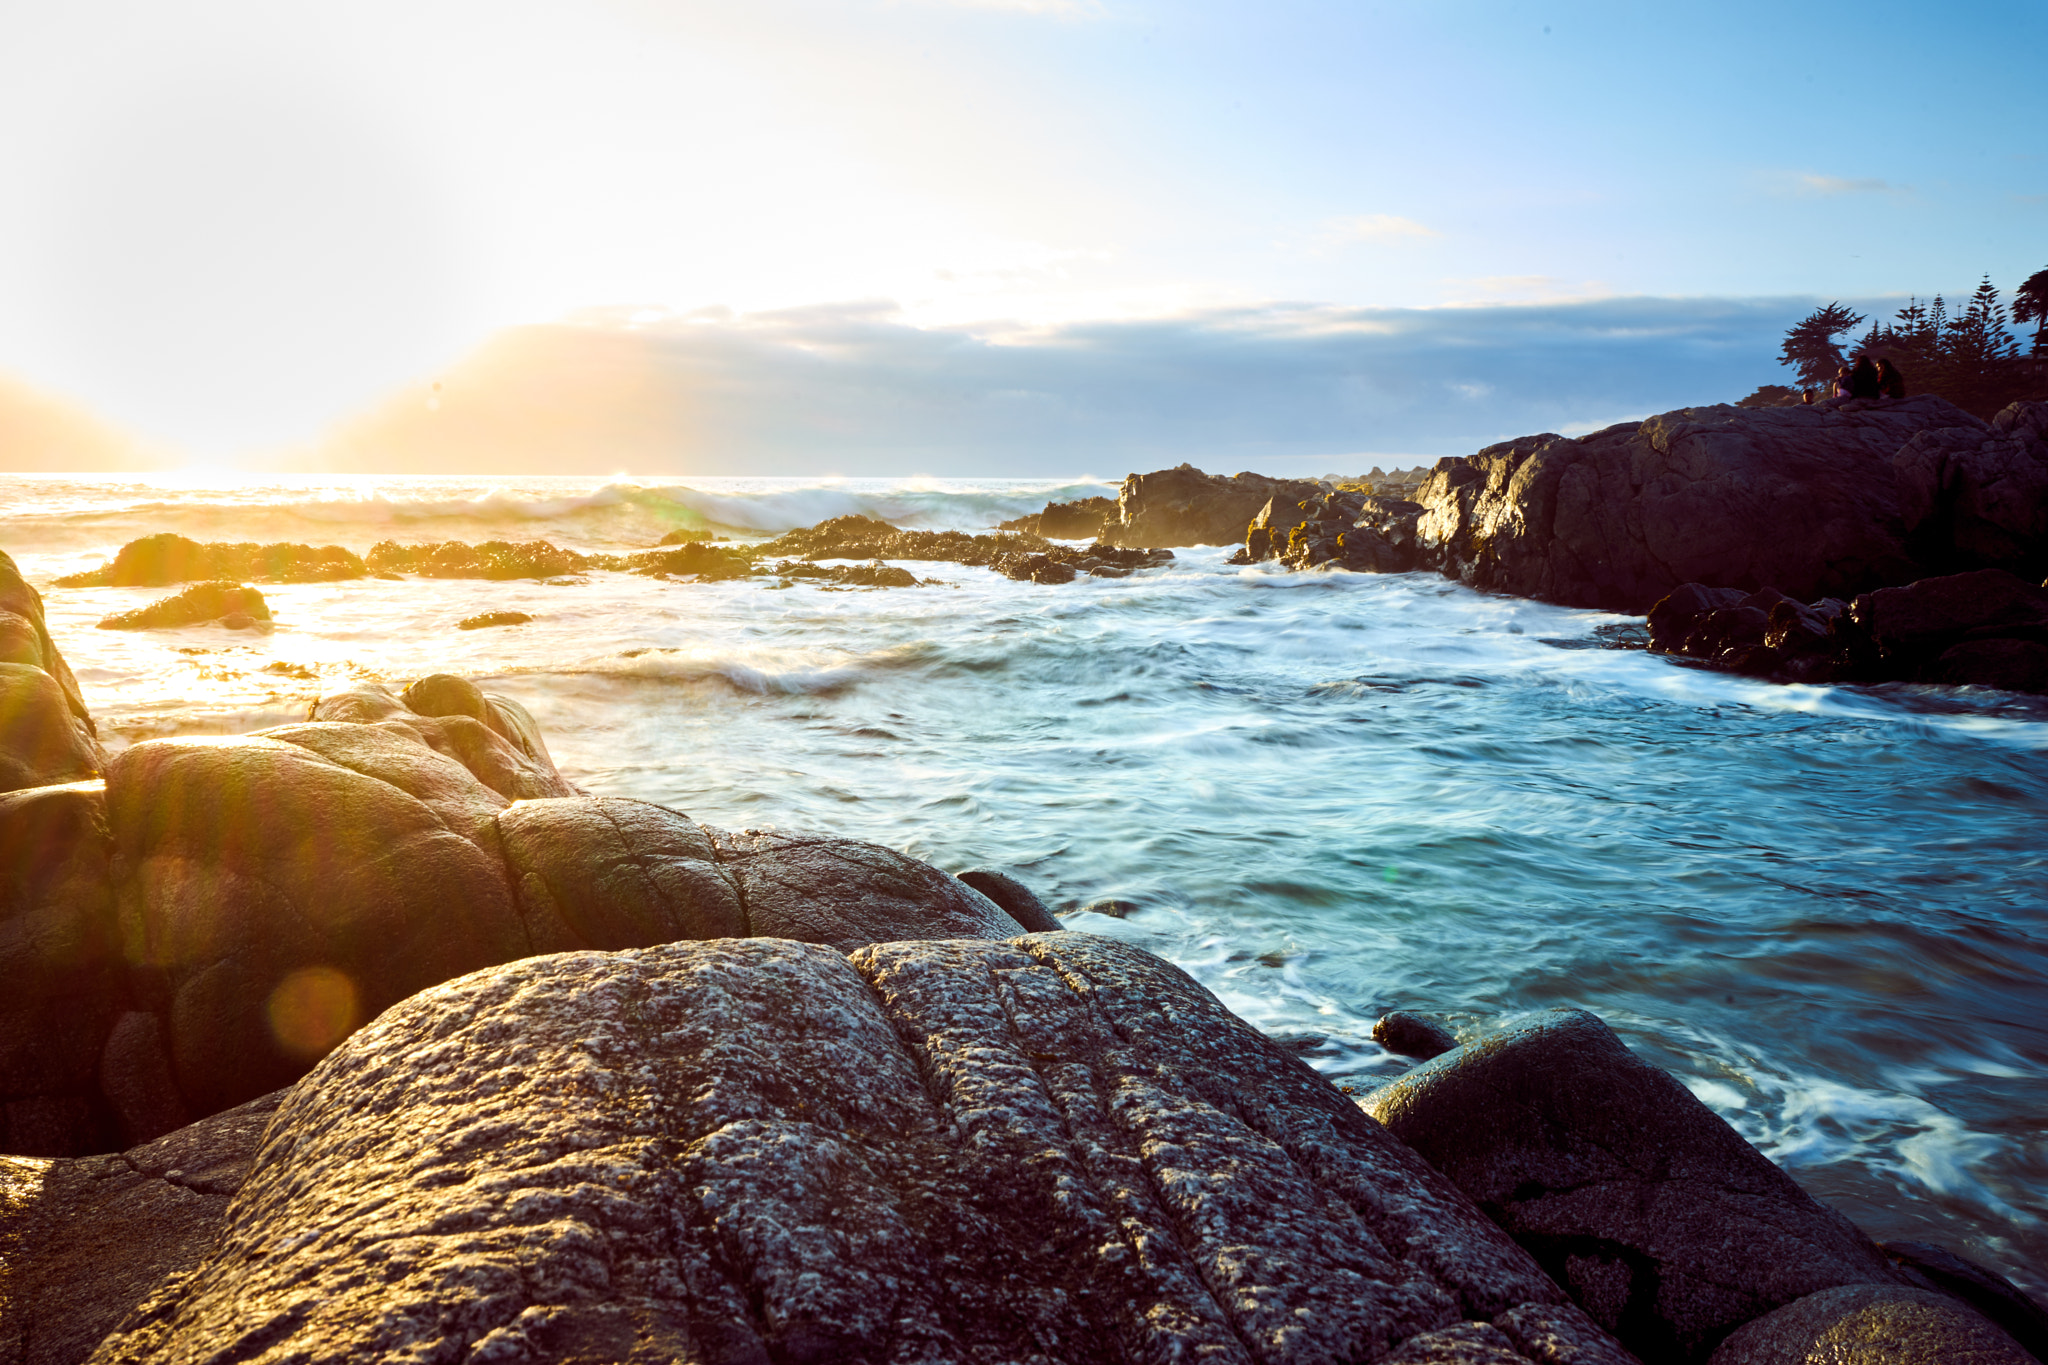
500	559
1815	502
872	575
1986	628
1872	1325
1664	1225
235	605
1080	519
159	560
1184	506
1059	1149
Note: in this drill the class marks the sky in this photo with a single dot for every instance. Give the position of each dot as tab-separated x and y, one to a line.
965	236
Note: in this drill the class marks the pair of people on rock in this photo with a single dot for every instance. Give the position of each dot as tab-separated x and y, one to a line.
1868	379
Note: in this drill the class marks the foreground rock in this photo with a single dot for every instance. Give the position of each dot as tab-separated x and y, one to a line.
1986	628
83	1242
235	605
1665	1226
159	560
1060	1149
1184	506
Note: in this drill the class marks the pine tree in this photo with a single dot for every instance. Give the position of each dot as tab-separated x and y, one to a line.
2030	304
1810	345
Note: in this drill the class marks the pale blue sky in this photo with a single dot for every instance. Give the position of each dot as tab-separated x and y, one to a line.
233	224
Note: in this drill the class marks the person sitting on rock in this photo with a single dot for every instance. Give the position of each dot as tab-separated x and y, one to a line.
1890	382
1842	384
1863	380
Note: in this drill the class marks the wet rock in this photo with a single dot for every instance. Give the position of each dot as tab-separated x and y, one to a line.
486	619
496	559
878	575
42	741
1061	1149
1413	1035
1871	1325
199	603
271	899
1017	900
60	955
709	562
20	641
1337	528
1111	906
607	872
159	560
1035	568
1184	506
842	892
85	1241
1990	1293
362	702
684	536
1663	1224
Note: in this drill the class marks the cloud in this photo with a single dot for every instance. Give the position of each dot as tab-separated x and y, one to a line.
1493	290
856	389
1830	186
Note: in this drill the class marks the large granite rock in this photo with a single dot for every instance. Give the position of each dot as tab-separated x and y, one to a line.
60	956
1813	502
1666	1226
1060	1149
1184	506
272	898
493	737
41	740
83	1241
46	733
817	889
1342	528
1872	1325
607	872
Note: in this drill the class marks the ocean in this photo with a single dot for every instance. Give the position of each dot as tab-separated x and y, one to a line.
1325	795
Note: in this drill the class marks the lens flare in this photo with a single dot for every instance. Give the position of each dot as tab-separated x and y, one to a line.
313	1009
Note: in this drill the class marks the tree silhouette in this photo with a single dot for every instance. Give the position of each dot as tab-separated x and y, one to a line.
1811	347
2030	304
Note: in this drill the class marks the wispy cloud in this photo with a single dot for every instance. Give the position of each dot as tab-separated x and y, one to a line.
1831	186
1488	291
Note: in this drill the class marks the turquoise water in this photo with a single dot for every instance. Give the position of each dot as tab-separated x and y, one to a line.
1327	795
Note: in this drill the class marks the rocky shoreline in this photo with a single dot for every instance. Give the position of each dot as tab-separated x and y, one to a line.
372	1036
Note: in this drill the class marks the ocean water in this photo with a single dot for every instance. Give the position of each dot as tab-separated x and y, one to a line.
1328	795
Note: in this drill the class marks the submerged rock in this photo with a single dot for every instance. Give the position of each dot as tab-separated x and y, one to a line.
498	559
224	601
1413	1035
159	560
1058	1149
1664	1225
486	619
